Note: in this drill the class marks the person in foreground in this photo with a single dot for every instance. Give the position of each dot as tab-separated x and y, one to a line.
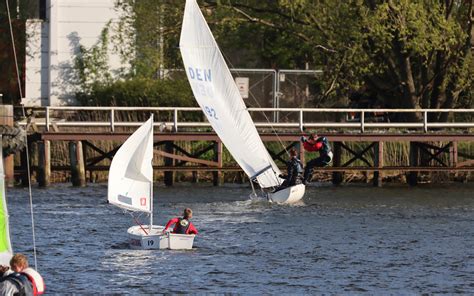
294	170
17	280
312	144
182	225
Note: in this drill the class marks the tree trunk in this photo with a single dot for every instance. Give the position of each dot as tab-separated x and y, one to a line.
410	98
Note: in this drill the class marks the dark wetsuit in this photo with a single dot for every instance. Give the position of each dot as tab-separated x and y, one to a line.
294	170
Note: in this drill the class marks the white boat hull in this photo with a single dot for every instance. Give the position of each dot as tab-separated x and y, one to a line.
155	239
288	195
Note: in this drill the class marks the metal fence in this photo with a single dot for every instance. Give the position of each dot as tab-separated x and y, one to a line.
189	118
270	88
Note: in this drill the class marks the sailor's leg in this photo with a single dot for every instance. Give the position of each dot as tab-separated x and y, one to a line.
308	170
321	161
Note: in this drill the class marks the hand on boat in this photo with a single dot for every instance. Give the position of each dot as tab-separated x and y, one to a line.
3	269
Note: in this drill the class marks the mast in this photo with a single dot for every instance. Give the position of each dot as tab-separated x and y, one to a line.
151	181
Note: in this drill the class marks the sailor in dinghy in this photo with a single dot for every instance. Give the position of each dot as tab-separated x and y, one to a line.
294	170
20	279
182	225
131	188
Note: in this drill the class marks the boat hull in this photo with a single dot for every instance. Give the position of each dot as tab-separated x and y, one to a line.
155	239
288	195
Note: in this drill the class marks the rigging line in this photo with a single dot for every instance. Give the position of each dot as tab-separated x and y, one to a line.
139	224
26	139
259	106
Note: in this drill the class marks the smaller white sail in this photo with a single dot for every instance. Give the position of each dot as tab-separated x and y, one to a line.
5	246
131	171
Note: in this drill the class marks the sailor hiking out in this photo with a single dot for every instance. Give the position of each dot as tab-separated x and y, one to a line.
313	144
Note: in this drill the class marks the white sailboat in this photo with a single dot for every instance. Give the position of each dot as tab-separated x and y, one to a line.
131	187
218	96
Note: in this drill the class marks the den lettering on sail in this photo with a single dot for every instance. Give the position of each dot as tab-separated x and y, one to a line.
200	74
200	80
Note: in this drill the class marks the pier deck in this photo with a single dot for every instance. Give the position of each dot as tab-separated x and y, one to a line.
433	146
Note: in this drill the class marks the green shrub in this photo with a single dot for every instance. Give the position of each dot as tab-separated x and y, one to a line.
139	92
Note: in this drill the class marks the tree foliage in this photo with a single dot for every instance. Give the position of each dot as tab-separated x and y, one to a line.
401	54
406	54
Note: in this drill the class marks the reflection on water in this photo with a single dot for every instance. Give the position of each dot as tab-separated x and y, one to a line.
341	240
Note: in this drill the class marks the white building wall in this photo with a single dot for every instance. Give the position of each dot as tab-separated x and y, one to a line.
36	64
50	77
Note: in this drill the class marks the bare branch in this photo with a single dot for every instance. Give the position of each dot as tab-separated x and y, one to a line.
281	28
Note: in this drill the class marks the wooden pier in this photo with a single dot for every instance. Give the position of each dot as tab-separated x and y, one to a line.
429	150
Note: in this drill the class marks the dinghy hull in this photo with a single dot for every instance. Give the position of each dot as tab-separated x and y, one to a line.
288	195
155	239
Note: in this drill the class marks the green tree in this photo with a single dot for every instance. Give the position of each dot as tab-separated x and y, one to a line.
145	37
147	34
410	54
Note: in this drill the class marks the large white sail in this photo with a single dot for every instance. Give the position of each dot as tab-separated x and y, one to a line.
216	93
5	245
131	171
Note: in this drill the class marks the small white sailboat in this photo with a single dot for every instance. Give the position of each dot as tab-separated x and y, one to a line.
131	187
218	96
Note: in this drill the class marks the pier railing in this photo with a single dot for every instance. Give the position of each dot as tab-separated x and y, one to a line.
295	118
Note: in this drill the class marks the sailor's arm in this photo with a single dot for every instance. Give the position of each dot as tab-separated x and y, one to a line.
170	222
192	229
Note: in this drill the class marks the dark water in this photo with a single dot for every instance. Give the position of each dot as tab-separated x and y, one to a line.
341	240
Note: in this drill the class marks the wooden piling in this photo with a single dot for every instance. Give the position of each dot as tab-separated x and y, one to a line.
9	166
169	162
44	163
78	173
217	176
301	152
6	118
337	177
378	163
24	167
453	158
34	161
412	177
195	178
84	161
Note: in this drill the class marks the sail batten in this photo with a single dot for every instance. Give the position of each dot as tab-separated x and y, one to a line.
131	171
219	98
